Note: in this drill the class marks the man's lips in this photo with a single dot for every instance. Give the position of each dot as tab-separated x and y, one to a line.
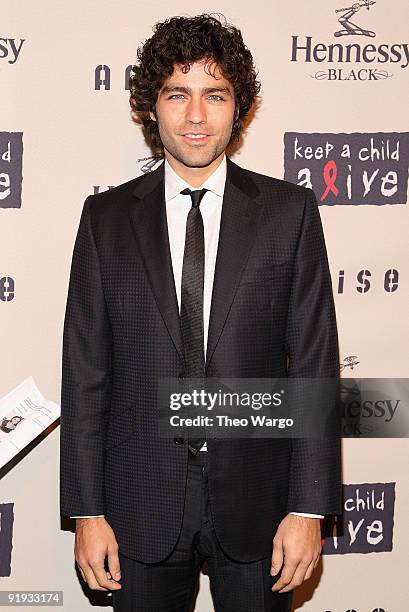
196	137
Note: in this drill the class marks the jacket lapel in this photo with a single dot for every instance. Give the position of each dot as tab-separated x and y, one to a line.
148	219
238	226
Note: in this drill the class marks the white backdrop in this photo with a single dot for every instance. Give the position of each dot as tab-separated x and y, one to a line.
76	138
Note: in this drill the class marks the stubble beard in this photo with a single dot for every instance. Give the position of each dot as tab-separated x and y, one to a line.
200	158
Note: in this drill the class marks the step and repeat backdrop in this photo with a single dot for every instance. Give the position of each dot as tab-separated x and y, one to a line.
332	116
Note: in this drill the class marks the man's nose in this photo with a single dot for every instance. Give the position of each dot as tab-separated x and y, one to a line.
195	111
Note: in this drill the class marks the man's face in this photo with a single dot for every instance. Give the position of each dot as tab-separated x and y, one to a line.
195	112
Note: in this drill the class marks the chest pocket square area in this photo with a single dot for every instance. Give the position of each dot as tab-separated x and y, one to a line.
265	273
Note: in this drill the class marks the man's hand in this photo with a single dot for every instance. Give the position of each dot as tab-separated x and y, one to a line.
297	542
94	539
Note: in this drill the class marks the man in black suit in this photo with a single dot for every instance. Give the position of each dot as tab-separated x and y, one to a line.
197	253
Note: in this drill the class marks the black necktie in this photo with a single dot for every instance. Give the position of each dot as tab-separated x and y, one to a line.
191	309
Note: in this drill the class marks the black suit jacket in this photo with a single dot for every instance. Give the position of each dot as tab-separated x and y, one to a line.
272	299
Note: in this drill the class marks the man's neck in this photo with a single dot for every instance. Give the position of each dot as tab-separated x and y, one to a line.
194	176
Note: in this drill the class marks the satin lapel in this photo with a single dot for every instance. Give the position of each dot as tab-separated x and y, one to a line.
148	218
238	227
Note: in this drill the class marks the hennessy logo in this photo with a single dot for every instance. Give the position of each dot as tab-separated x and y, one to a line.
10	49
349	362
370	61
345	20
150	163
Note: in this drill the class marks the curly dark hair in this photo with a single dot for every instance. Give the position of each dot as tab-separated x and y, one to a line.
185	40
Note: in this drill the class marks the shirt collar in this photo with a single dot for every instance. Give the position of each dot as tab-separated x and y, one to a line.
175	183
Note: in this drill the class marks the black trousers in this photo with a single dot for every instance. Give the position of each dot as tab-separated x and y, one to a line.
170	586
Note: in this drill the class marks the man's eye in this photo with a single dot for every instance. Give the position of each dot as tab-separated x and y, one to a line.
181	95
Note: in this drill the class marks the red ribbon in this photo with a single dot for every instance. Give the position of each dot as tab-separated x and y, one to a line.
330	176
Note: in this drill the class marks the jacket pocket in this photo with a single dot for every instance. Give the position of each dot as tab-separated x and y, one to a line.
121	425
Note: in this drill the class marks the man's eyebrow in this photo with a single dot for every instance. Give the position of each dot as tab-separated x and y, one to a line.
171	88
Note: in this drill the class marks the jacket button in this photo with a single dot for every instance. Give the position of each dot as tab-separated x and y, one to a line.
178	440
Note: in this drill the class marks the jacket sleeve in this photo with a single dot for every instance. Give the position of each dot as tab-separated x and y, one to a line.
312	349
86	380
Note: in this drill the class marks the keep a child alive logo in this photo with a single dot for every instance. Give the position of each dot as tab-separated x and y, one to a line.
349	169
358	60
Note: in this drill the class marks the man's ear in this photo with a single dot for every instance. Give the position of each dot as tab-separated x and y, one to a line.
152	116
